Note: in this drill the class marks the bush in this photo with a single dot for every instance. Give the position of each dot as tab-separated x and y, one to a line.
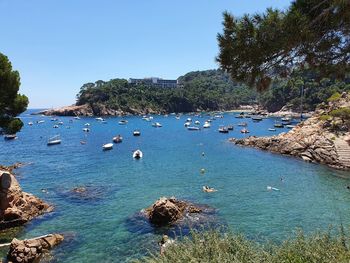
334	97
213	246
325	117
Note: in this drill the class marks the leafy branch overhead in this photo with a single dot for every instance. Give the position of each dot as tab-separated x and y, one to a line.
310	34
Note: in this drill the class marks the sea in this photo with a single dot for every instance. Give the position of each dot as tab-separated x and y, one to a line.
105	223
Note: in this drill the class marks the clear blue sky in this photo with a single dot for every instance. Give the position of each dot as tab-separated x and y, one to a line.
58	45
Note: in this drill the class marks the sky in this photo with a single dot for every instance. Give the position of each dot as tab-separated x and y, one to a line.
58	45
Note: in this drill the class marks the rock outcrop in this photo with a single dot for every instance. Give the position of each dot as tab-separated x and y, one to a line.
166	211
31	250
16	206
313	140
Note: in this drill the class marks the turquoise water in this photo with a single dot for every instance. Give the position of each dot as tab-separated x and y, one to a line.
106	227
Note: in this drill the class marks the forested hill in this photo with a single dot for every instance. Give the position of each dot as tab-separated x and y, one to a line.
208	90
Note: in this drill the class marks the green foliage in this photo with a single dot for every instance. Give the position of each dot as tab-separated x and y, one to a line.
212	246
209	90
325	117
255	49
342	113
11	103
334	97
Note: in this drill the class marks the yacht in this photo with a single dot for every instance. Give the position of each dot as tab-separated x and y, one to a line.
206	125
54	140
107	146
223	129
156	124
193	128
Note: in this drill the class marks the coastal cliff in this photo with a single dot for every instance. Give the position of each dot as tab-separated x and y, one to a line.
323	138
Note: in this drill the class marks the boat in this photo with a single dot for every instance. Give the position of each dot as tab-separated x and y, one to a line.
86	129
230	127
272	129
60	123
30	123
104	122
243	124
278	125
244	130
54	119
290	126
77	118
286	119
137	154
54	140
82	142
208	189
99	119
39	122
187	123
206	125
197	122
118	139
239	116
189	120
136	133
223	129
177	117
257	118
156	124
10	137
193	128
55	126
107	146
123	122
87	124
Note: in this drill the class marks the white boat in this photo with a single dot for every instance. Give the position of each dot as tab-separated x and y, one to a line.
104	122
177	117
286	119
30	123
77	118
223	129
137	154
193	128
244	130
156	124
197	122
87	124
118	139
243	124
39	122
54	140
272	129
55	126
99	119
54	119
86	129
10	137
107	146
290	126
123	122
136	133
60	123
189	120
206	125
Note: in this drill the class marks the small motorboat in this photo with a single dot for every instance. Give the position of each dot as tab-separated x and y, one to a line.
86	129
189	120
107	146
30	123
10	137
177	117
208	189
286	119
54	140
40	122
137	154
257	118
243	124
118	139
193	128
290	126
77	118
55	126
87	124
60	123
123	122
99	119
156	124
272	129
278	125
187	123
83	142
239	116
54	119
230	127
197	122
223	129
136	133
104	122
206	125
244	130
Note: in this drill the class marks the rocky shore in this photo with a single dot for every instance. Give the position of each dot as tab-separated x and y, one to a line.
17	207
319	139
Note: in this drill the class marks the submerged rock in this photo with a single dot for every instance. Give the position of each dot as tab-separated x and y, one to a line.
169	210
16	206
27	251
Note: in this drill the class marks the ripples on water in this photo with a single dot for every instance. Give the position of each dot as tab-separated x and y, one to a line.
103	228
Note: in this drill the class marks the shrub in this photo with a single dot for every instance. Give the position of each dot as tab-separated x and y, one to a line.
334	97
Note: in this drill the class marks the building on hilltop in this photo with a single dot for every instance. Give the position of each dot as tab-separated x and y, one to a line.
155	82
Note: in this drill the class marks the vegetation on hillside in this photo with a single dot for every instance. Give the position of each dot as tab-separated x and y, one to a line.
11	102
255	49
212	246
209	90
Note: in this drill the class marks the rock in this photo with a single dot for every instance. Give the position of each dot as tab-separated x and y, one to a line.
31	250
311	140
169	210
16	206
